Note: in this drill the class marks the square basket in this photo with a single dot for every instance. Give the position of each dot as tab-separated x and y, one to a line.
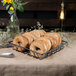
37	55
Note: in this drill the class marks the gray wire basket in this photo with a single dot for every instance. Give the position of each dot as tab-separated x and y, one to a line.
40	56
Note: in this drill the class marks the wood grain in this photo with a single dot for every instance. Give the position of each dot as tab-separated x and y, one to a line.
45	11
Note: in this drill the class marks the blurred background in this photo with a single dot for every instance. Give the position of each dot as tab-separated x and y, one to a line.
47	12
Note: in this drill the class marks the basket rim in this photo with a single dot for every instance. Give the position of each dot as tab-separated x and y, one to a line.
62	44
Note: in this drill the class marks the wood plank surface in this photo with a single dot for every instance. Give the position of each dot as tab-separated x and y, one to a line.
45	11
32	22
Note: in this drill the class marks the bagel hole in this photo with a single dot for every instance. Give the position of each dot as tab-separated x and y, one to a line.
37	48
19	42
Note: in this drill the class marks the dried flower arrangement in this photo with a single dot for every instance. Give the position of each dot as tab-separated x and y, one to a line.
5	36
37	27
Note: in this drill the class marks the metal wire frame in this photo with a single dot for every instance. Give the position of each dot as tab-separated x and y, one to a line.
40	56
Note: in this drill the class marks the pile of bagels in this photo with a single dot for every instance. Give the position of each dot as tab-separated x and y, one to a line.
37	40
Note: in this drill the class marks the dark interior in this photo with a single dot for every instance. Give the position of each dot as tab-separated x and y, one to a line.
47	12
37	48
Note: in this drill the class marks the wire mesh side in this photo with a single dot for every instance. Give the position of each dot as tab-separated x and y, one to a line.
37	55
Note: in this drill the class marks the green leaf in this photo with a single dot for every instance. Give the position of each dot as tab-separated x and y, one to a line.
3	3
11	12
24	3
7	7
14	5
20	8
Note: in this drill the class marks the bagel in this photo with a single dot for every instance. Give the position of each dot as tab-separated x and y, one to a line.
56	36
45	41
40	45
29	36
37	46
52	40
38	54
35	33
22	41
38	33
42	33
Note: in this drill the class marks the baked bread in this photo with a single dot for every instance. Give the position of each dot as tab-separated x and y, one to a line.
56	36
22	41
53	41
40	45
29	36
38	33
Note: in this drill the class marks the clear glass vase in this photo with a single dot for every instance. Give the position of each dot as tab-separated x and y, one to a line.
13	27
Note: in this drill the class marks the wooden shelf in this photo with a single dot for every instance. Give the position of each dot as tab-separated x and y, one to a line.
32	22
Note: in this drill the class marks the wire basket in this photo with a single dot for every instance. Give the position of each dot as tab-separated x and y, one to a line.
40	56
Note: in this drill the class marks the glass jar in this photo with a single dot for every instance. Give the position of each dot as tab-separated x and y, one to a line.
13	27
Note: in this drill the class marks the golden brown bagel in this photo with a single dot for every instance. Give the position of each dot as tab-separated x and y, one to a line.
40	45
53	41
38	33
29	36
42	33
22	41
56	36
45	41
35	33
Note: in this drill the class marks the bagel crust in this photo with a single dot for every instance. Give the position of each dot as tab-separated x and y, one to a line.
40	45
29	36
53	41
55	36
20	40
38	33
